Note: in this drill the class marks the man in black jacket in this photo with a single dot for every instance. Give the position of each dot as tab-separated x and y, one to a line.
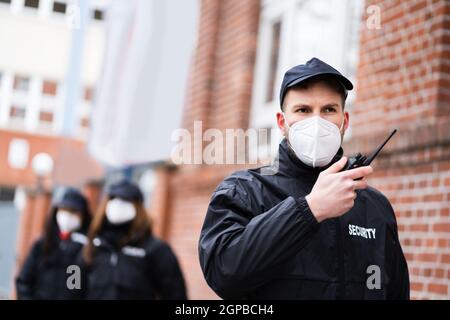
304	229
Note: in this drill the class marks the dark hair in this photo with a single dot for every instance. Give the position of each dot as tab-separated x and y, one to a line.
329	80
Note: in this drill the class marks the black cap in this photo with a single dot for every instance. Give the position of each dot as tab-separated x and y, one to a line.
72	199
125	190
312	68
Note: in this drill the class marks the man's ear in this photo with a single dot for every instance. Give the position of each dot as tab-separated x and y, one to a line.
281	123
346	120
346	124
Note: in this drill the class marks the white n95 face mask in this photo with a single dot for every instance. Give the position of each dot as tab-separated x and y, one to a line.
120	211
67	221
315	140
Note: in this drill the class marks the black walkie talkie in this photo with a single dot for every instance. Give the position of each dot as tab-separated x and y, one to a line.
360	161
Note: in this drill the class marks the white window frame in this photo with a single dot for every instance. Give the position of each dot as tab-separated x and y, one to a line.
6	89
262	112
33	105
19	98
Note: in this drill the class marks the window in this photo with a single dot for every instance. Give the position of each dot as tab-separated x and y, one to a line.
85	122
84	107
98	15
19	100
7	194
270	61
17	112
21	83
88	92
32	4
273	63
18	152
49	87
46	116
59	7
48	104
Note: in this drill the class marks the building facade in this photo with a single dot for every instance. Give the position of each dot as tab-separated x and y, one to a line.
36	41
396	52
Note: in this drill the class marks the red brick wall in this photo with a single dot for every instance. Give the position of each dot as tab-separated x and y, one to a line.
404	83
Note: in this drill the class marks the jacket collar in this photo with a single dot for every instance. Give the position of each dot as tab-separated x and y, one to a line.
291	165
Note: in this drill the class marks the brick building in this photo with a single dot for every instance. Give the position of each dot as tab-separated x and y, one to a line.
399	57
404	82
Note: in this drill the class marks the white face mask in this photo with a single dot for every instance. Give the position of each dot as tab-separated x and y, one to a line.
314	140
67	221
120	211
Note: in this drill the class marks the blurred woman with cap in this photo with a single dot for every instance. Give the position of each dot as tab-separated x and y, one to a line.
123	259
44	274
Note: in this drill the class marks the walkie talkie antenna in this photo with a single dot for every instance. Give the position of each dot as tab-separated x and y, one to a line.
375	153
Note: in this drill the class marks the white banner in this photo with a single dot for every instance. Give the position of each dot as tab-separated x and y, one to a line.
141	92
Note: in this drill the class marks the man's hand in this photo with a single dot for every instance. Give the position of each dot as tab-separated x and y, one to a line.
334	193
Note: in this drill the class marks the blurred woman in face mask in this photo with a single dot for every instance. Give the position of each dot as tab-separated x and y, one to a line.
123	259
44	273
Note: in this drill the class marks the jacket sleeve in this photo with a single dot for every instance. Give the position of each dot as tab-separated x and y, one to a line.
166	272
398	287
240	248
26	279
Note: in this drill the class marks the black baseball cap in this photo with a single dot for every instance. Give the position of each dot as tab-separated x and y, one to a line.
126	190
312	68
72	199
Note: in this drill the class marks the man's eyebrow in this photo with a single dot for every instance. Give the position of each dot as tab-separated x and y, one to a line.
330	105
297	105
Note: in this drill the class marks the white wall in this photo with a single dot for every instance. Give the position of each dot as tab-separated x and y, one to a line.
39	45
36	44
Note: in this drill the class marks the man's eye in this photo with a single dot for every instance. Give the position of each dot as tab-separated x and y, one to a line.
330	109
302	110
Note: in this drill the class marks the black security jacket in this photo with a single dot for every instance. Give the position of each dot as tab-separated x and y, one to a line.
260	240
